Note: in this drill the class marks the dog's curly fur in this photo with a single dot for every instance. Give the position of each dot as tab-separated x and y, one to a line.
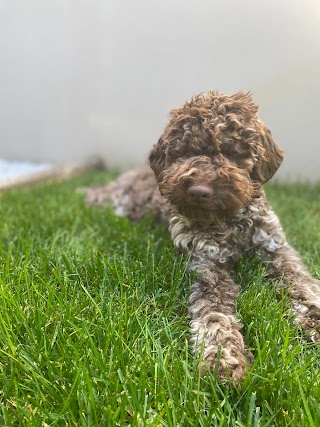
209	165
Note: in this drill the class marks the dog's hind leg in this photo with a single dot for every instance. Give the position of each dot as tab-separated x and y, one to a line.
133	194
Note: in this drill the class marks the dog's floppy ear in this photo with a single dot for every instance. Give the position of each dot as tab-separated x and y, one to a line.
157	156
269	158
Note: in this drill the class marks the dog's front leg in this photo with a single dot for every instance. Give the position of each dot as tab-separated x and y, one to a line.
304	290
215	329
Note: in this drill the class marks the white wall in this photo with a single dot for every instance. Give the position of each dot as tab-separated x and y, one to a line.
82	77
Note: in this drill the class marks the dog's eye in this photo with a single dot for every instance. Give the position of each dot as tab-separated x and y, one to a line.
235	149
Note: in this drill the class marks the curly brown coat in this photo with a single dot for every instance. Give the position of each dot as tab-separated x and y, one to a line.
209	165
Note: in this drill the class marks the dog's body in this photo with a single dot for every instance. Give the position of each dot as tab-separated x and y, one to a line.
209	165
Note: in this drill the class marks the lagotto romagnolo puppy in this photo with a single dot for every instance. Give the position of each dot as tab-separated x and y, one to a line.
205	182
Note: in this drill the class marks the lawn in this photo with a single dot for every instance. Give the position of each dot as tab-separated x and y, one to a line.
94	328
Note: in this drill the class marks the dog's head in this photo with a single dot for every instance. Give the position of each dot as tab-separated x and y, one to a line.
214	155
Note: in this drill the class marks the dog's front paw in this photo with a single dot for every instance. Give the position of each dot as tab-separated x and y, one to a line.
307	315
230	364
219	342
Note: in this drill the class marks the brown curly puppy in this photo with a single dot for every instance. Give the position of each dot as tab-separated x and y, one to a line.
210	164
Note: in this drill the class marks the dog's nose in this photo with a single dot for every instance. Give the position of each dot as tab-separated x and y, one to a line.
200	192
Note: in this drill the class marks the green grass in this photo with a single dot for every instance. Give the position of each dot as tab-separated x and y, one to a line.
94	328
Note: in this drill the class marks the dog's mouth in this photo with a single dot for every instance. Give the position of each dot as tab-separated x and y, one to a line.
217	204
200	189
220	199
